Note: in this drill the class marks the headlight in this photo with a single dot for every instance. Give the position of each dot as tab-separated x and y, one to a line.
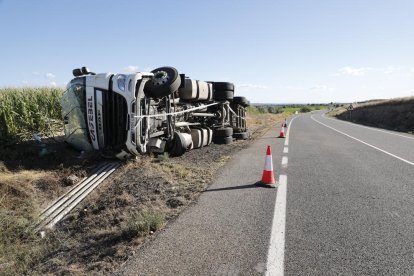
121	79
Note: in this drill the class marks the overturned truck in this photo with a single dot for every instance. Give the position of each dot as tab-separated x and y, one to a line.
124	115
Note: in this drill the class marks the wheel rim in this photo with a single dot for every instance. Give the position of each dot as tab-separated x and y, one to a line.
160	78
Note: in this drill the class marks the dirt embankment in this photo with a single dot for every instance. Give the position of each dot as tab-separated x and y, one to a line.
110	224
395	114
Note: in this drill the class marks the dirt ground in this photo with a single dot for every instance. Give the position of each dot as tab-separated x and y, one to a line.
96	237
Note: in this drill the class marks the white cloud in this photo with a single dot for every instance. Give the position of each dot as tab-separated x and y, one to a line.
131	68
249	85
391	69
319	87
53	83
50	76
356	72
291	87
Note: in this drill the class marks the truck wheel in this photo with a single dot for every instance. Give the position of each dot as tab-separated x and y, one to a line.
166	80
241	135
223	140
223	95
223	86
241	101
223	132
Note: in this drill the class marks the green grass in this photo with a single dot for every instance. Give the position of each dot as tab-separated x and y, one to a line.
293	109
142	223
24	111
284	110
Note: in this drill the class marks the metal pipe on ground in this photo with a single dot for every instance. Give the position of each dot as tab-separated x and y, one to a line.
54	213
67	209
57	203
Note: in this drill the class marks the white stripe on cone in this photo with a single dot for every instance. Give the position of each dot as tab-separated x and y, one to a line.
268	163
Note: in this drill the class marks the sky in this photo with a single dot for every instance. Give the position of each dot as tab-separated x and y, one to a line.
292	51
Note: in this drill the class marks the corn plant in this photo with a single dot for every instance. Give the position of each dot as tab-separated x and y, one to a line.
24	111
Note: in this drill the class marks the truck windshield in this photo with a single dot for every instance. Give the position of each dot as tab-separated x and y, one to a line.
74	116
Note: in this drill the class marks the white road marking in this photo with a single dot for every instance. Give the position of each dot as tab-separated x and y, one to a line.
371	128
365	143
285	150
275	265
288	131
284	161
276	253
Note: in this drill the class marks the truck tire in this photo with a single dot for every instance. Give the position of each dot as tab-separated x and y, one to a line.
223	86
223	140
223	95
241	101
222	132
166	81
241	135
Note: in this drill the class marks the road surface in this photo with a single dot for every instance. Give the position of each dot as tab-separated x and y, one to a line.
344	206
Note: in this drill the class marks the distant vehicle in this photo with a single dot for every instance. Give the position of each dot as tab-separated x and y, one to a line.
124	115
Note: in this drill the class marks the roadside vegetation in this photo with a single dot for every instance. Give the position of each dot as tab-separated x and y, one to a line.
394	114
287	110
26	111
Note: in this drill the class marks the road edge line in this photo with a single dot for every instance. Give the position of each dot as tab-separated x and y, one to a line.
276	252
367	127
365	143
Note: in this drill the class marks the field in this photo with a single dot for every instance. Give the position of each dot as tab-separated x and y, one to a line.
25	111
286	110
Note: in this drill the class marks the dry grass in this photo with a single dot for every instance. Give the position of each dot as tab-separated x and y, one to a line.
255	121
395	101
20	202
394	114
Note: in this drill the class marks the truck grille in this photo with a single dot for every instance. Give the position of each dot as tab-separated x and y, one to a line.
115	116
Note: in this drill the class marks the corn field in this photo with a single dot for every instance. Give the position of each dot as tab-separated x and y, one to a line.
25	111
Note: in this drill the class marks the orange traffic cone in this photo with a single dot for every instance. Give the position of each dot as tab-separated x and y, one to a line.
285	124
282	133
268	178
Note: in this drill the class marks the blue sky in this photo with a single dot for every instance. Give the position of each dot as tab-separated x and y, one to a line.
298	51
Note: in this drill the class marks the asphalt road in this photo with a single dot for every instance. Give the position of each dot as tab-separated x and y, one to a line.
347	209
349	205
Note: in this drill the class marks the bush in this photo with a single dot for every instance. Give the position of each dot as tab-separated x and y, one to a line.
305	109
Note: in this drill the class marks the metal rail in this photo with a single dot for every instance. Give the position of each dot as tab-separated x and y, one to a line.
64	204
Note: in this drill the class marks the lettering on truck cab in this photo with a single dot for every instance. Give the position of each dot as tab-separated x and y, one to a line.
90	110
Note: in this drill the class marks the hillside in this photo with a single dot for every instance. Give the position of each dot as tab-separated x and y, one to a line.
394	114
